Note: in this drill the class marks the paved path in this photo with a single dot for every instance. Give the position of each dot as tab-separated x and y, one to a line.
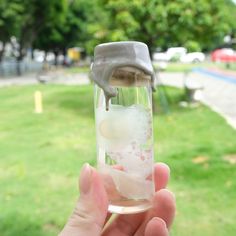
26	80
56	77
219	91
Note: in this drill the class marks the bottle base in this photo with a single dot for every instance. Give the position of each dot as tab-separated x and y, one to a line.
129	207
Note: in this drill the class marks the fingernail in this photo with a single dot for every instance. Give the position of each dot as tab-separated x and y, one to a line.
85	179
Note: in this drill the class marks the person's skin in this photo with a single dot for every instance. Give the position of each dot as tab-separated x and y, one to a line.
90	214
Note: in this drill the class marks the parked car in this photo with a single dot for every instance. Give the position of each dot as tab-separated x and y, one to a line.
193	57
171	53
179	54
223	55
161	56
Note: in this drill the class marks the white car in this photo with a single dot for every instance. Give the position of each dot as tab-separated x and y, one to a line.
180	53
161	56
169	54
193	57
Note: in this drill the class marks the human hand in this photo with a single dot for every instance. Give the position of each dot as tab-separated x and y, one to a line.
90	214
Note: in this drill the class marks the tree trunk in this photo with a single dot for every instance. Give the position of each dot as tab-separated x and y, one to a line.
18	66
56	58
2	51
45	63
45	57
64	57
19	61
32	54
150	44
1	57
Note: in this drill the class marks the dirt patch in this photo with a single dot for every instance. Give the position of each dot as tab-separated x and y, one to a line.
231	159
200	160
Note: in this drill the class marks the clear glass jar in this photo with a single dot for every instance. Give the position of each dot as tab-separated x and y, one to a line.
125	140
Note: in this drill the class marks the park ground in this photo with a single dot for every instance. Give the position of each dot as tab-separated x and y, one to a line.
41	156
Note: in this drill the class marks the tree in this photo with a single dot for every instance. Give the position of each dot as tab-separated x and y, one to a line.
206	22
34	16
165	23
232	15
78	29
10	11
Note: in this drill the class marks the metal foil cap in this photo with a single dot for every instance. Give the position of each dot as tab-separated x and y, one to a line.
109	57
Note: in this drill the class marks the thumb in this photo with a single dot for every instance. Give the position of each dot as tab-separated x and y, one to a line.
90	212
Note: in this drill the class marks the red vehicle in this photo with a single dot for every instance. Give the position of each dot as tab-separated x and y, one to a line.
223	55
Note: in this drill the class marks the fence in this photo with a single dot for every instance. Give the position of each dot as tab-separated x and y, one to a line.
9	68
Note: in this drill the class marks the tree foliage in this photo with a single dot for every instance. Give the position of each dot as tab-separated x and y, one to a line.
9	19
75	30
163	23
35	16
56	25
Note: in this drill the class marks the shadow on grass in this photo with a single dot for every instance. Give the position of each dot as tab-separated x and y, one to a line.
167	100
79	101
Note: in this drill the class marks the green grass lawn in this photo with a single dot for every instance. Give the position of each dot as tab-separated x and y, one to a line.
41	156
229	67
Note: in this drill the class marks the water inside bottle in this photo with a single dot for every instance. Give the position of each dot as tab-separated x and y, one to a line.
125	156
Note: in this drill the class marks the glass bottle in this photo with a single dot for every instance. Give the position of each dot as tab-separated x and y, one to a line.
123	78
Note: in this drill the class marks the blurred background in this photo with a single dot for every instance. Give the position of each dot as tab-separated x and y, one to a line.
47	126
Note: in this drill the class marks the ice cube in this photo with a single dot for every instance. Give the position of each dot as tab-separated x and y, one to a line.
130	186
